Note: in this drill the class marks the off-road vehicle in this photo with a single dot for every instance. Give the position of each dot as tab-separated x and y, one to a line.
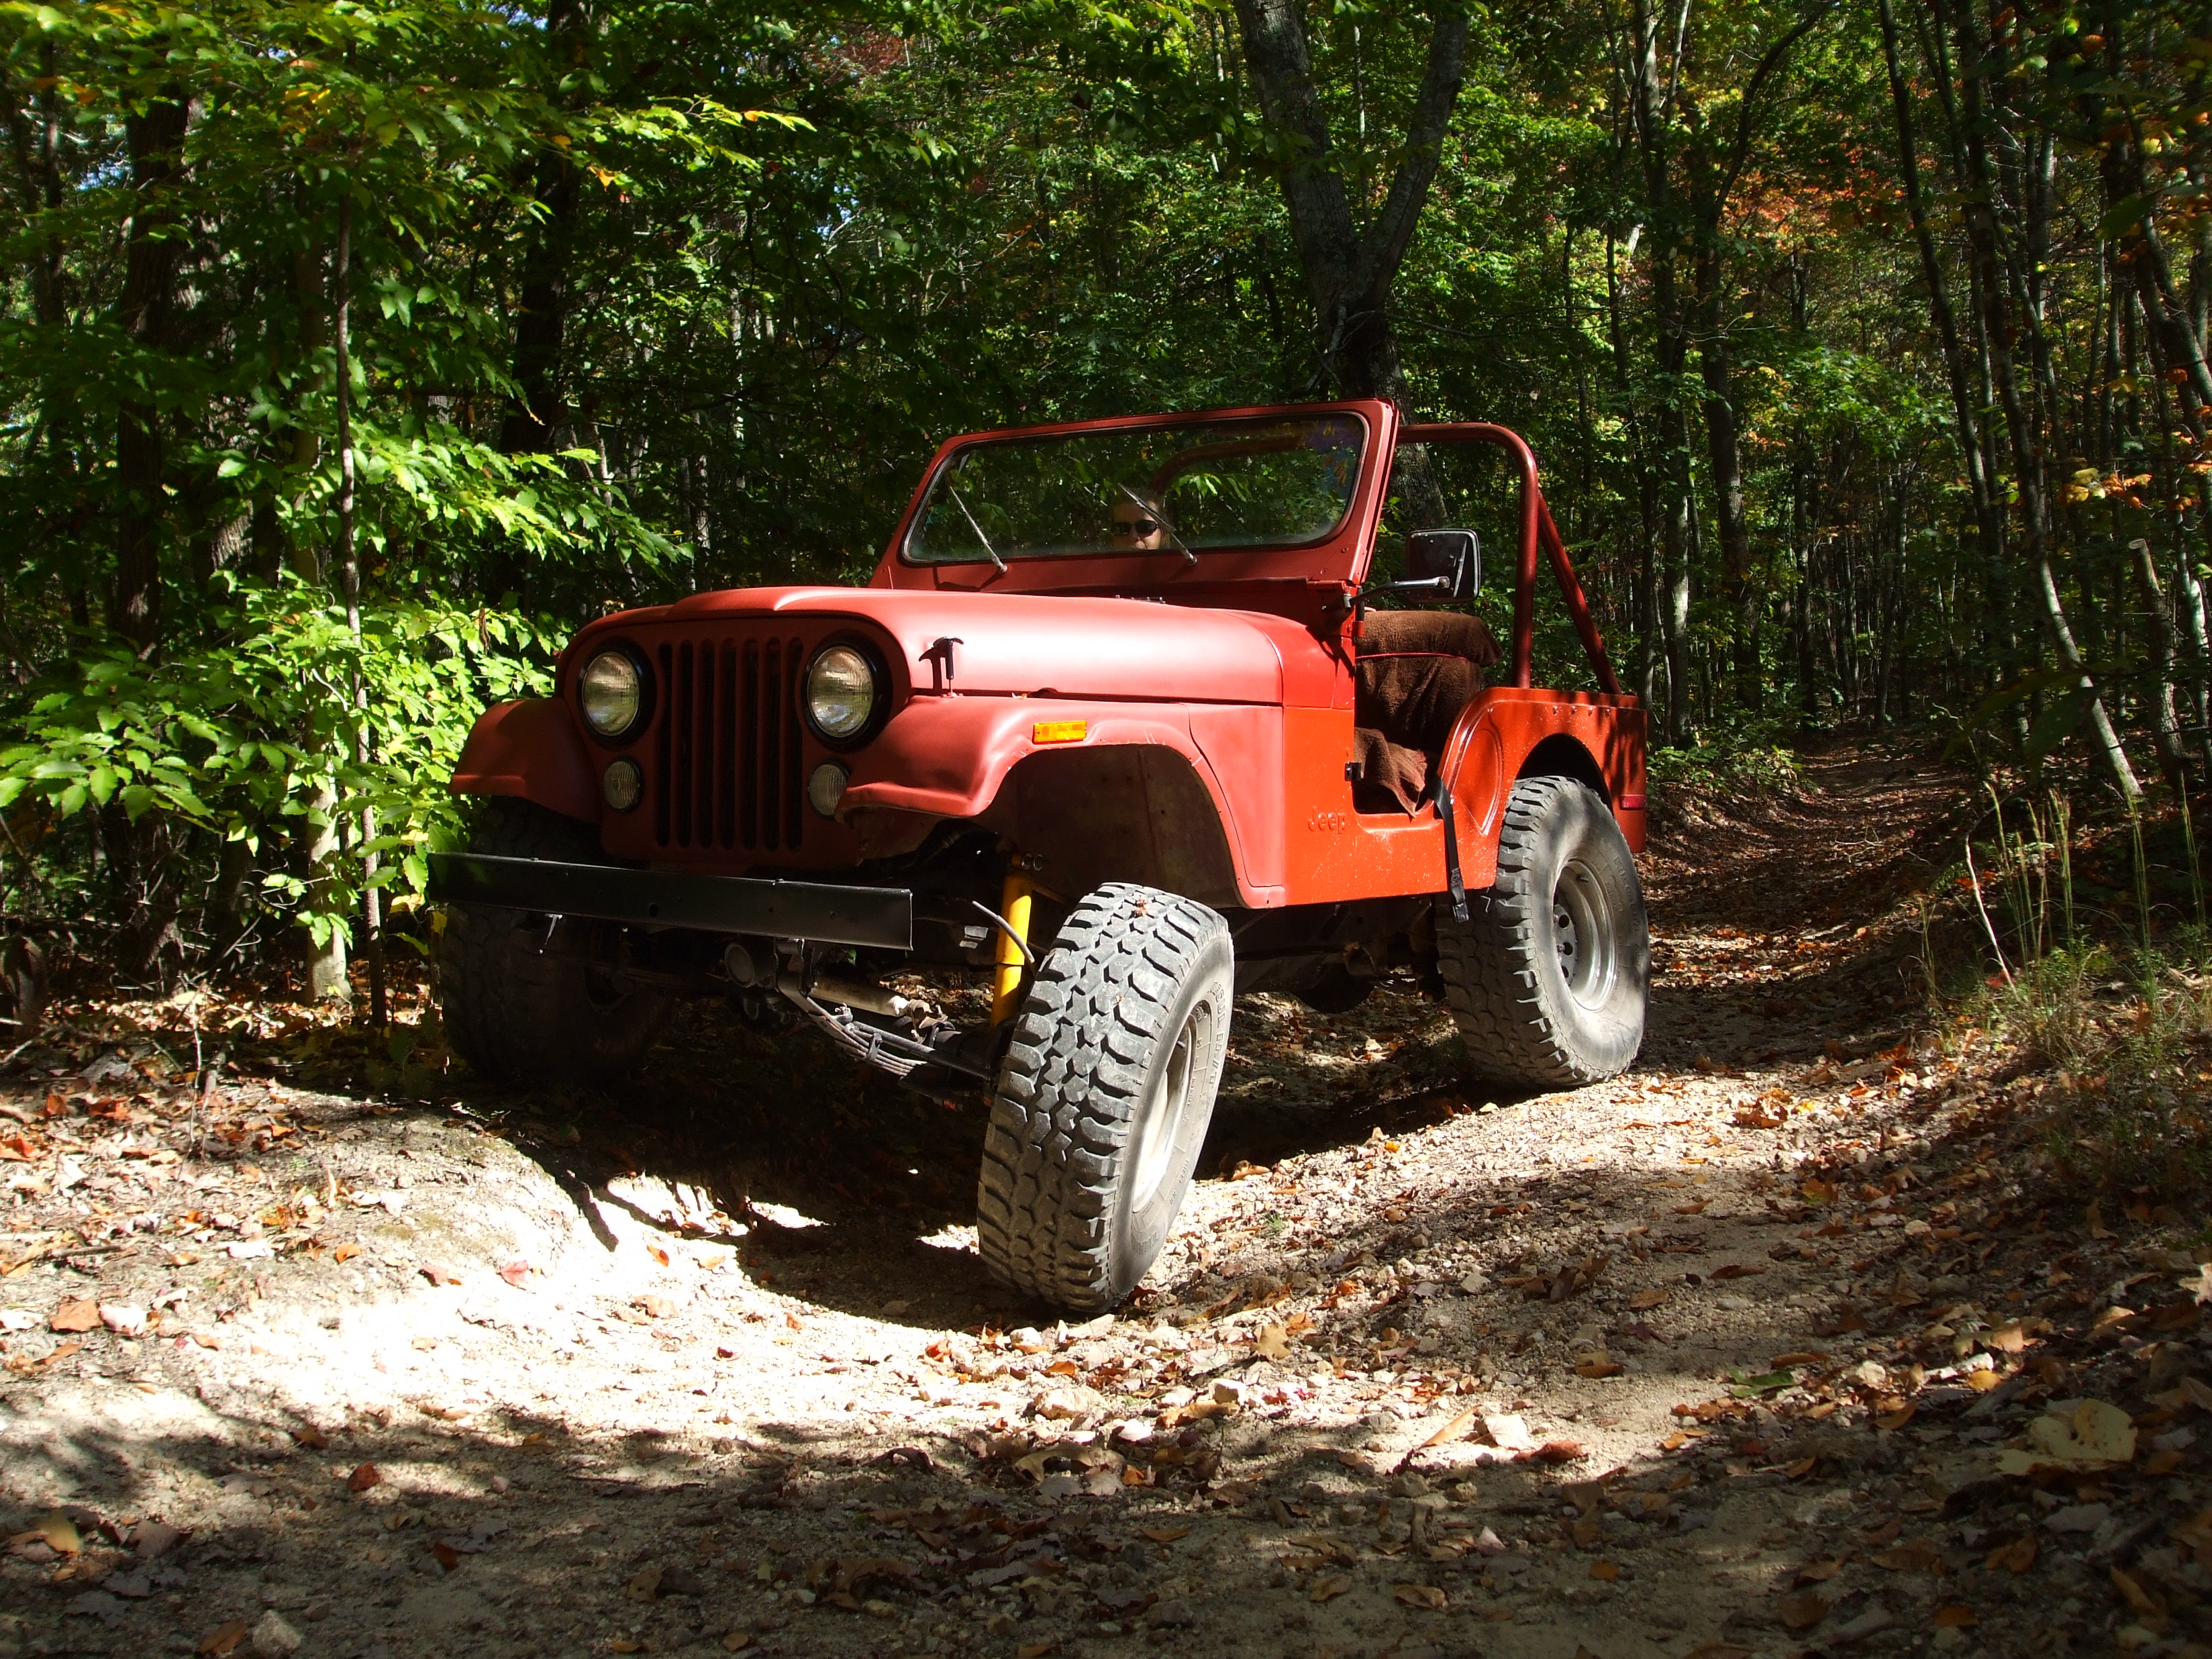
1128	719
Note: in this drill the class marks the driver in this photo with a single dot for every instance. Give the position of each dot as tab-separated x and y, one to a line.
1140	524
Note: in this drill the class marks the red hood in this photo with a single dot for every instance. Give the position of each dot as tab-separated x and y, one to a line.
1040	644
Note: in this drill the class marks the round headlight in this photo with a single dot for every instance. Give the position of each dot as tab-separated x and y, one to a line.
826	787
841	693
611	693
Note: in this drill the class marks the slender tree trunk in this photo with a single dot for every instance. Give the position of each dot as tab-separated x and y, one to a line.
153	137
372	917
1725	449
1986	237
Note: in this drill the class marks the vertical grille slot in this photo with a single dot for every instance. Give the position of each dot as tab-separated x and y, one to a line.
728	757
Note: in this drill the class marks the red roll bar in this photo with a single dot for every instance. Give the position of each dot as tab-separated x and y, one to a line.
1536	529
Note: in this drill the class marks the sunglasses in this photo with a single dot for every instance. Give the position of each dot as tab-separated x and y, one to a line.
1135	526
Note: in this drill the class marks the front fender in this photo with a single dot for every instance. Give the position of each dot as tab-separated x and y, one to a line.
531	749
948	756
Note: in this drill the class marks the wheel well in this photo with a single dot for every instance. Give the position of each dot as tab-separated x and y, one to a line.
1560	756
1134	812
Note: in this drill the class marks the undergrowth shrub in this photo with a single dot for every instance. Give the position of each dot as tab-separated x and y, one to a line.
2129	1036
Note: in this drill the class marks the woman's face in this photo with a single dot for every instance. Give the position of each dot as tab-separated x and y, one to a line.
1137	527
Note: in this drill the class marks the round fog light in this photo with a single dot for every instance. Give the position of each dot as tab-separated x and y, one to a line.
827	787
623	785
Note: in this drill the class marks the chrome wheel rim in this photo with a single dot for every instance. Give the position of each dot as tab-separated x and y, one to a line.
1582	924
1161	1125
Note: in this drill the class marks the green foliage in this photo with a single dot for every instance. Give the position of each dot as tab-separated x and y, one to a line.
243	737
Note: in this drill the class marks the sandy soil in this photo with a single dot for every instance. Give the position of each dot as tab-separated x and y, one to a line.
1719	1359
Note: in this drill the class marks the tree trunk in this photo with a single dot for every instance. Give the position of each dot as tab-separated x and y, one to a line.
1725	450
153	137
1985	236
1348	274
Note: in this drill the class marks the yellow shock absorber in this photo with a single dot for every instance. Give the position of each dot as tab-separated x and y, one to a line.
1014	906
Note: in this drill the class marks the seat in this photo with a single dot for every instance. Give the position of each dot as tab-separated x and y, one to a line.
1416	671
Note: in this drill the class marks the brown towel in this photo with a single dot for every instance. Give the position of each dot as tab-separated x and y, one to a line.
1417	669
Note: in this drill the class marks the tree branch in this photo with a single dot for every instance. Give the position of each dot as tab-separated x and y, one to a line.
1393	229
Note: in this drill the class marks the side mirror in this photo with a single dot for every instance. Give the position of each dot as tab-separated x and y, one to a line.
1446	562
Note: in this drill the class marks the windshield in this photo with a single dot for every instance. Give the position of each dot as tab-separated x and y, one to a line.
1206	485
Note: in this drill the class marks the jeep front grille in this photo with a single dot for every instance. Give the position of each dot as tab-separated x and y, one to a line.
728	755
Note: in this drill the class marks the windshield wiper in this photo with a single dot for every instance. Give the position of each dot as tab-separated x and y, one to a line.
1160	513
953	490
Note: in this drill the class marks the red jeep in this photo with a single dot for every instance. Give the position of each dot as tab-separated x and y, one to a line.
1115	722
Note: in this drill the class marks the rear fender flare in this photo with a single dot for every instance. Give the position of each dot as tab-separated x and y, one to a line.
1506	734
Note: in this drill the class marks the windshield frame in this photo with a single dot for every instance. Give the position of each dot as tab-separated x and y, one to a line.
1157	565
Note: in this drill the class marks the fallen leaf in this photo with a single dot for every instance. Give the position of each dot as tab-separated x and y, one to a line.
625	1644
736	1641
1956	1615
310	1436
223	1637
1451	1431
657	1307
1644	1299
1896	1420
1600	1365
77	1314
1509	1433
1698	1208
2094	1435
1166	1534
1818	1572
1605	1572
447	1556
1561	1451
363	1478
438	1275
1918	1556
1419	1595
2015	1556
1274	1342
1034	1650
344	1252
1329	1588
2095	1221
1716	1649
59	1532
1982	1381
1804	1611
2006	1338
516	1273
1735	1270
2138	1599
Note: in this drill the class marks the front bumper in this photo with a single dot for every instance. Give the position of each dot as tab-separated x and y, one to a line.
819	912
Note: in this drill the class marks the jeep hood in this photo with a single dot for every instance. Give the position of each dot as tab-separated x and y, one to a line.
1018	644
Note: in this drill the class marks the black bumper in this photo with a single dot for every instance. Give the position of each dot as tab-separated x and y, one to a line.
880	916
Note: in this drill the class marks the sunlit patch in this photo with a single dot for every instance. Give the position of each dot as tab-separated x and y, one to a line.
784	1216
952	1238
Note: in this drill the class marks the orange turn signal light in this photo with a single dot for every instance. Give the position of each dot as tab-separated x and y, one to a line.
1060	731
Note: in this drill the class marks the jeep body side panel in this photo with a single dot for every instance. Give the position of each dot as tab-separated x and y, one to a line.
1338	853
533	749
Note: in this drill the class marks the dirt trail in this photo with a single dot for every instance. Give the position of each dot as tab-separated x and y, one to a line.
713	1367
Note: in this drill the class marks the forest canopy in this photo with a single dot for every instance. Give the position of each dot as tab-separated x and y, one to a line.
352	354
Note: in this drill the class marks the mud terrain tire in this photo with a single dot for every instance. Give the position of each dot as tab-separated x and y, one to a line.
1548	977
523	1018
1105	1096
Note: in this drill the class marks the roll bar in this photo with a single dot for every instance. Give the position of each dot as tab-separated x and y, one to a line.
1536	529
